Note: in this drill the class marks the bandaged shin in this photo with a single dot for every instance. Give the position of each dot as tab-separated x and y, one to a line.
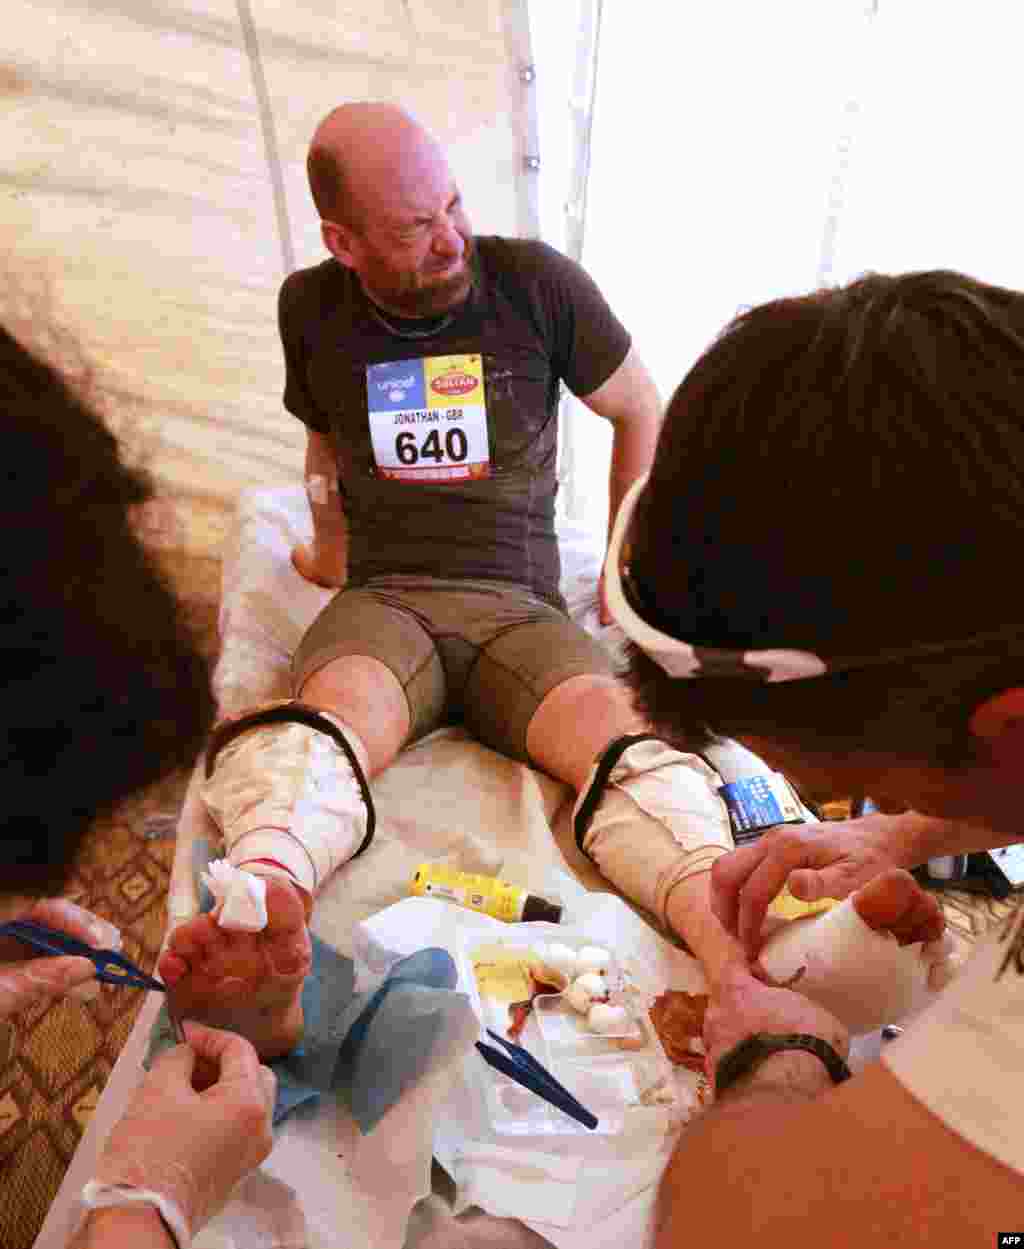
650	817
286	783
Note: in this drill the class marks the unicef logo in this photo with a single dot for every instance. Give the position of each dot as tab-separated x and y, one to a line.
396	388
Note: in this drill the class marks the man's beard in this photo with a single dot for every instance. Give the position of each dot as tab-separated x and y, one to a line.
438	297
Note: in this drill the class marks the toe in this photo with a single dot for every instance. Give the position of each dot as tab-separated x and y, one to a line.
171	968
196	941
285	910
290	960
232	987
894	902
288	945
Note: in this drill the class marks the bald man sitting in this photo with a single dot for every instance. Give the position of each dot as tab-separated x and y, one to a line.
426	366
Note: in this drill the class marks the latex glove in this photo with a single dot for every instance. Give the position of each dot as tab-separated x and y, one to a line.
826	860
27	977
198	1122
741	1005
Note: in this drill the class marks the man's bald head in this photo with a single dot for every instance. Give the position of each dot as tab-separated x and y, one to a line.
358	154
390	209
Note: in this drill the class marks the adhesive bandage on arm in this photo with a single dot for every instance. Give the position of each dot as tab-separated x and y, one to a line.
319	489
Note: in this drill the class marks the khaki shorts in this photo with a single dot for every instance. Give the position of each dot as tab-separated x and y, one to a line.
485	653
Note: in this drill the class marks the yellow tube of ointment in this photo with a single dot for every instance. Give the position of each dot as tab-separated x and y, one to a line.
486	894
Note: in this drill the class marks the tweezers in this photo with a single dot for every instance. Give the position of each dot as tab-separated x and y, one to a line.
521	1066
111	966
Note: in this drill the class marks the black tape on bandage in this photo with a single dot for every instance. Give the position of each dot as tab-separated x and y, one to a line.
294	713
612	754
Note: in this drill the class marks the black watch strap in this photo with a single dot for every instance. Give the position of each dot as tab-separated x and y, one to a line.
750	1053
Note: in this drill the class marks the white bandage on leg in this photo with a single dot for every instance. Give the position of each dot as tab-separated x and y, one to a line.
287	791
651	820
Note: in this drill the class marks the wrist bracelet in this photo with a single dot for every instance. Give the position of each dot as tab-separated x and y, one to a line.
749	1054
98	1196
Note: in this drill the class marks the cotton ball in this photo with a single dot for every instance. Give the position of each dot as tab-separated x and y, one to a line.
578	998
561	958
594	984
585	990
592	958
608	1019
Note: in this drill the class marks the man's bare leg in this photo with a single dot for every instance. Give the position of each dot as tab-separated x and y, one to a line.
572	726
251	982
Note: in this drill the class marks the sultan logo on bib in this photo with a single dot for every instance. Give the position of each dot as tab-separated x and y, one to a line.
428	419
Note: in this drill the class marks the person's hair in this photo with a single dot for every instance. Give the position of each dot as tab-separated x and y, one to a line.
843	473
104	688
331	188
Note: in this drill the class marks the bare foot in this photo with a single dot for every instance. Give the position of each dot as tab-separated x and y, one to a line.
894	902
246	982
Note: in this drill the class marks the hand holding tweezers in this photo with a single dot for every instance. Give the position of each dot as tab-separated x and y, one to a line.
521	1066
111	966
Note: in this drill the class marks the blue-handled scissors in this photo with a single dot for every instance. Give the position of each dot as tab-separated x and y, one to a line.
111	966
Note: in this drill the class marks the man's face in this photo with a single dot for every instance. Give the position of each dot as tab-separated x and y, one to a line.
413	255
981	792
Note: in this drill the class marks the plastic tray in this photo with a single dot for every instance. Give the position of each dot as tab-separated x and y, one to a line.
613	1083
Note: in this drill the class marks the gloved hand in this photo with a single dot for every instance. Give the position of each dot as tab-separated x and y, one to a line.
27	977
199	1122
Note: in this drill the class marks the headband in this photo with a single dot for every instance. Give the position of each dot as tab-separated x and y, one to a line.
685	660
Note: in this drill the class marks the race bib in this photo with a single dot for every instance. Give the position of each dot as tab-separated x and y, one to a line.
428	419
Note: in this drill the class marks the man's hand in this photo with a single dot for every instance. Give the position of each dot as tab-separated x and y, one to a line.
828	860
199	1121
741	1005
304	560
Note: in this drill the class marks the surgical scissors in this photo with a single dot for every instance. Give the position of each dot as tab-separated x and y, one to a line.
111	966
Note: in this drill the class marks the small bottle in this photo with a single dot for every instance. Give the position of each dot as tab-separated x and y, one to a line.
486	894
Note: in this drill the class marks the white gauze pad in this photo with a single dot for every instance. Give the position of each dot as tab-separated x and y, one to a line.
865	978
241	896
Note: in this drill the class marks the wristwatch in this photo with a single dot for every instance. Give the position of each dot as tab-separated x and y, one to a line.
750	1053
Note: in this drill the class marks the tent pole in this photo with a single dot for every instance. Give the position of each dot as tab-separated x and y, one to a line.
581	108
523	97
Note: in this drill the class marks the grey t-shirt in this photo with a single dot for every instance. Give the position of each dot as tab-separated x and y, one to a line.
441	477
